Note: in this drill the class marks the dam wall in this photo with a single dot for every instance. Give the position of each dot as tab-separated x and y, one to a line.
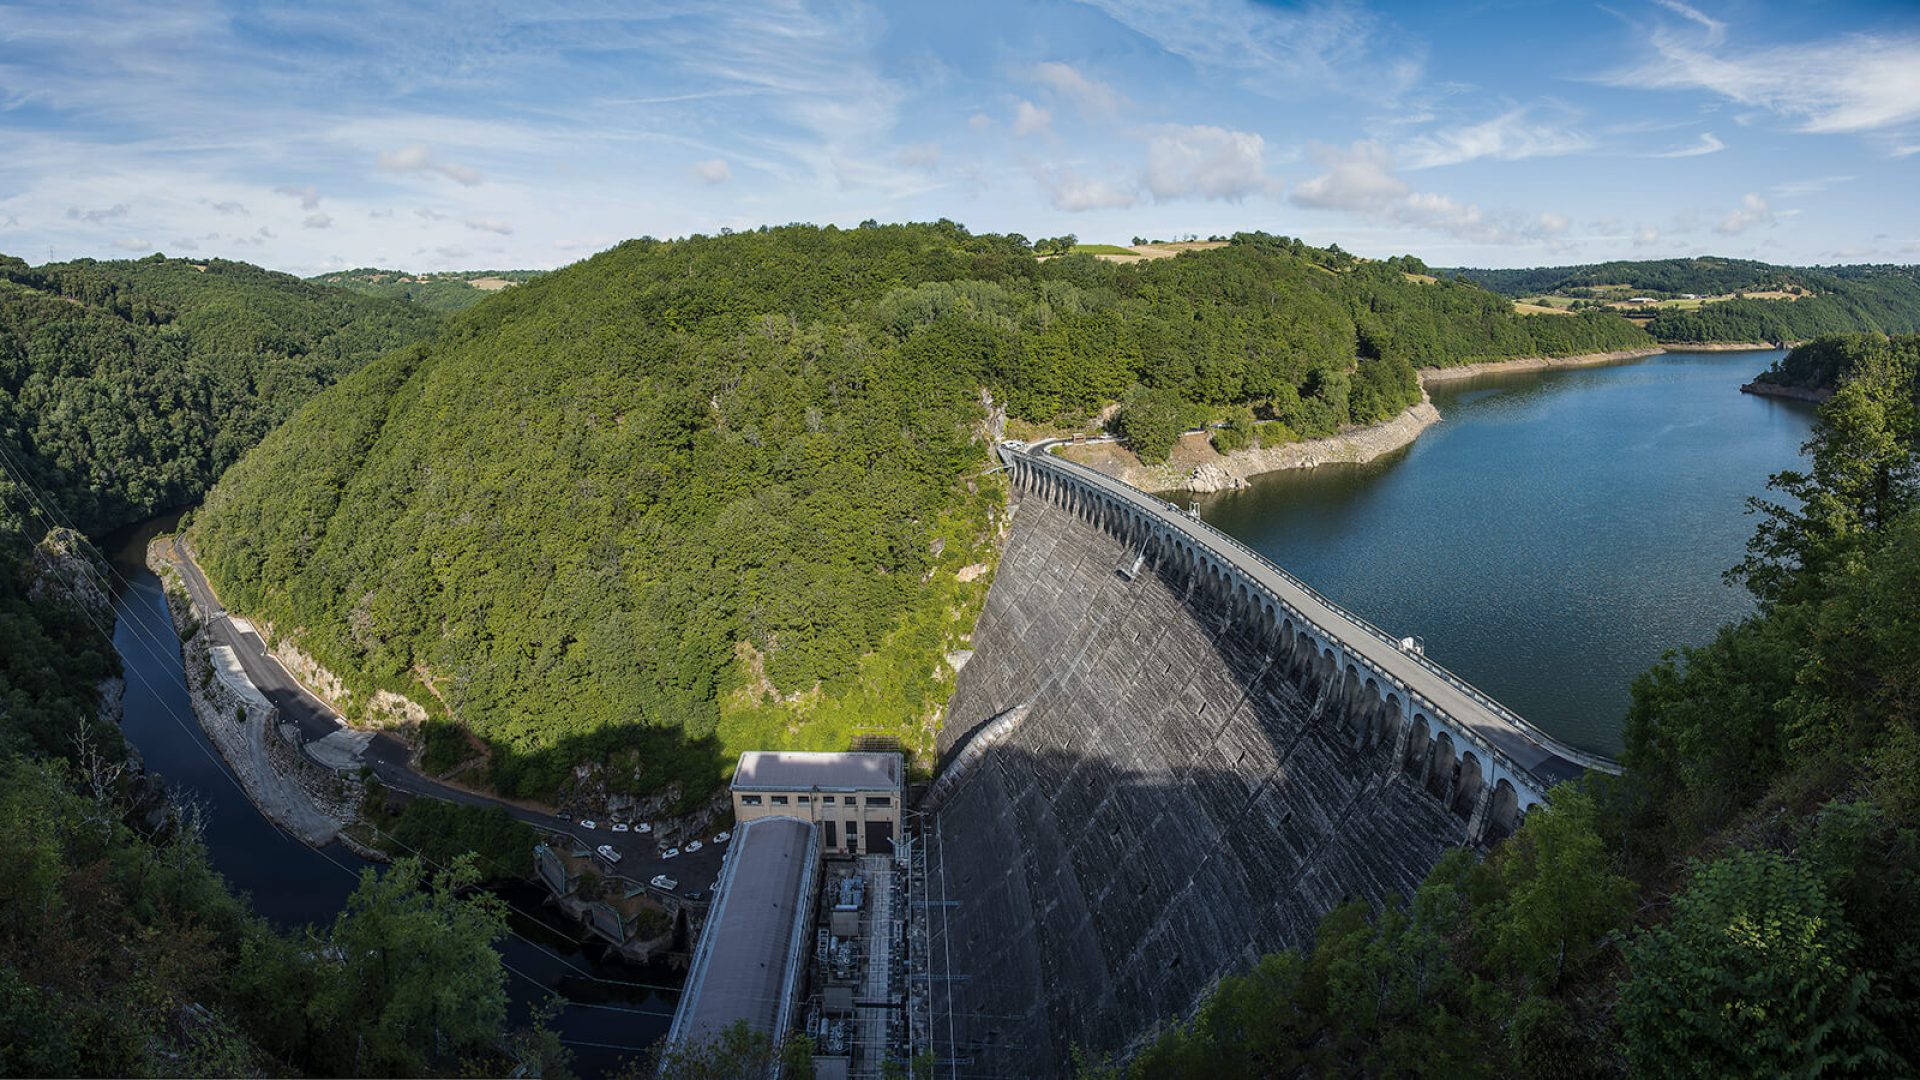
1158	766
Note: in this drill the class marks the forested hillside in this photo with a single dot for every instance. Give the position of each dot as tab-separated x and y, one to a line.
127	387
442	291
1818	300
690	497
1741	903
124	389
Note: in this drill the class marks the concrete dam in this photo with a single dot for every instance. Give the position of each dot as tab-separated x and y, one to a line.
1165	758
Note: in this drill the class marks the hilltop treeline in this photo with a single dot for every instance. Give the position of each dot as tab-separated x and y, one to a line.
1740	904
689	497
442	291
127	387
1834	300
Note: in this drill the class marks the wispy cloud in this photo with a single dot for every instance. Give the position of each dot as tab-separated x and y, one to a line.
1030	119
1091	95
1511	136
1360	179
1854	84
1708	143
713	171
420	158
1810	186
1067	189
117	210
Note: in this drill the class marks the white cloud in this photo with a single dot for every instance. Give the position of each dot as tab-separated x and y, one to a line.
1068	190
317	221
1507	137
1031	119
713	171
1091	95
979	121
920	155
1861	83
1753	210
1716	30
1809	186
1360	179
492	225
309	198
1208	162
1337	47
1709	144
419	157
94	217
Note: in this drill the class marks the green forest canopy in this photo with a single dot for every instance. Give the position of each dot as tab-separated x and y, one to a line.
442	291
692	497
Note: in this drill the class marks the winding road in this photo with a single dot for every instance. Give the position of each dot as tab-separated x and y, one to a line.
391	758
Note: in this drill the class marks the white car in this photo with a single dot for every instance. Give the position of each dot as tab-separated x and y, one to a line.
721	838
670	853
619	826
643	828
662	881
589	823
693	846
606	852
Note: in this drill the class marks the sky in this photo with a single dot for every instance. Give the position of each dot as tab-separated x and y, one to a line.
436	135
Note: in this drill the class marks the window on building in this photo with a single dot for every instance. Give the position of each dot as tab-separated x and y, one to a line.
779	800
749	800
827	799
853	827
879	800
806	798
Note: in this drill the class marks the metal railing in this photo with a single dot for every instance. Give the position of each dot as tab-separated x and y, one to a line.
1234	551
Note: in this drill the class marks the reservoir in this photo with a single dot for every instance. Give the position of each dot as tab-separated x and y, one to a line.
1554	535
614	1010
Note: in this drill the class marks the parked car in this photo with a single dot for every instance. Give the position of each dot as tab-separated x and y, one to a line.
670	853
589	823
697	894
619	826
693	846
606	852
643	828
662	881
721	838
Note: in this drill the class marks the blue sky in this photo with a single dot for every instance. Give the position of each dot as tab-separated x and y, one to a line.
431	135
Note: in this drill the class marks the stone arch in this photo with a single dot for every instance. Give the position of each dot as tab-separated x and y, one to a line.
1503	813
1467	791
1440	766
1419	746
1392	718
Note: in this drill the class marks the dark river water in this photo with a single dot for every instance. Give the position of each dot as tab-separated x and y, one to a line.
1554	535
613	1011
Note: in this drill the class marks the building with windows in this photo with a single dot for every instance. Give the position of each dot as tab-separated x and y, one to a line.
854	797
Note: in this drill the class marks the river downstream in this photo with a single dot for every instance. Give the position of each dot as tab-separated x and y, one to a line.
1553	535
614	1010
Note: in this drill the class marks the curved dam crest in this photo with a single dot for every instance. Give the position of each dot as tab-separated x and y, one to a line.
1162	762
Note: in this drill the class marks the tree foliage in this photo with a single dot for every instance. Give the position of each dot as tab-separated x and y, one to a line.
687	498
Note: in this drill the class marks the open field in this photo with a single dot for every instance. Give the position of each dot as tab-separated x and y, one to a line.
1141	252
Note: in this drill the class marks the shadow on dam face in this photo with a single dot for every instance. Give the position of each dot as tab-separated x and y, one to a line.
1179	792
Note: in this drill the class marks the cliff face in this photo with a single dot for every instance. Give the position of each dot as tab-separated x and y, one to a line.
1172	801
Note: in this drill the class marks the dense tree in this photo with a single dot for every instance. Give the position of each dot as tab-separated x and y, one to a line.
686	498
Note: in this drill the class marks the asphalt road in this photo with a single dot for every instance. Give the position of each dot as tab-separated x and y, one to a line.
390	757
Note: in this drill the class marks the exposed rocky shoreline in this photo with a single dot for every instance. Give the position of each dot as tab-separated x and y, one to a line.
1816	394
1538	363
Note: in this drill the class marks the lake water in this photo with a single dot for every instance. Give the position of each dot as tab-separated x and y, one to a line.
1554	535
614	1010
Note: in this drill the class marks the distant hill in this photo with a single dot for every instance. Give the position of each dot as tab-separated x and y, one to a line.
444	291
126	387
1712	299
691	497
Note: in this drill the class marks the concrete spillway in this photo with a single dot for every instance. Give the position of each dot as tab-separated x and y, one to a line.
1195	777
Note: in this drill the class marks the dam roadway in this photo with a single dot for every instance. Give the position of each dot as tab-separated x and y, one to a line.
1524	745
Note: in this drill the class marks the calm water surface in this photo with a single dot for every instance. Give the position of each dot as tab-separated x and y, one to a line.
1554	535
614	1010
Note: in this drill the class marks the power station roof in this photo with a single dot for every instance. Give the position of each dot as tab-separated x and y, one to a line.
753	949
769	770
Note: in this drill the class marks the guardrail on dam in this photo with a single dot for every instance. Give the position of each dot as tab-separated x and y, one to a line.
1166	757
